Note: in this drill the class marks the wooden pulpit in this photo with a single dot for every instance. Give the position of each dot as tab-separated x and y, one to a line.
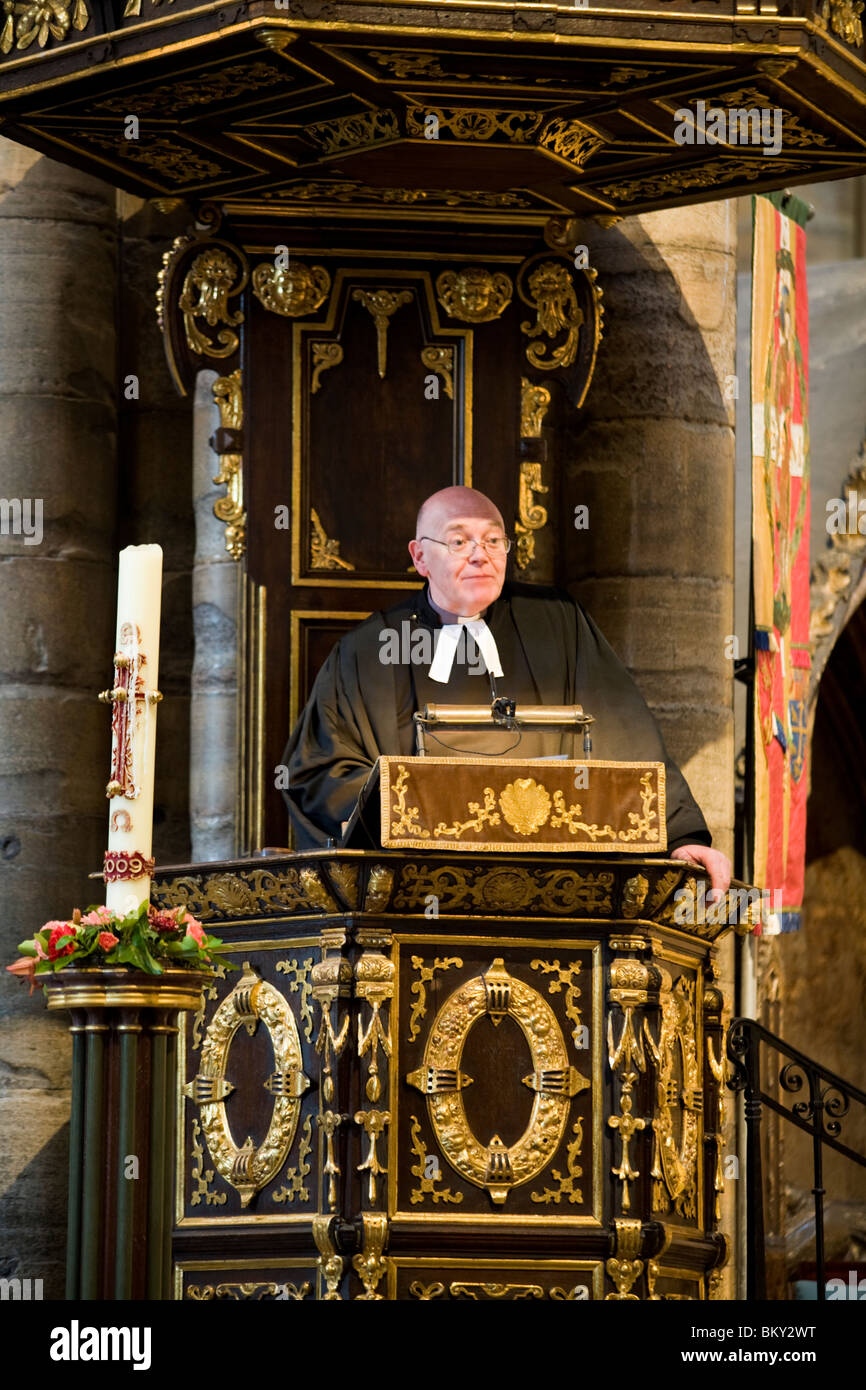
454	1073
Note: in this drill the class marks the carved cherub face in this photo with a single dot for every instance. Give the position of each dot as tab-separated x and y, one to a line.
473	287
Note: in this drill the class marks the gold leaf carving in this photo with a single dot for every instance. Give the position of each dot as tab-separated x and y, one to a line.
551	291
213	277
441	361
641	824
679	1089
494	1166
418	988
248	1169
355	131
204	1293
291	290
324	553
427	1185
228	395
570	140
381	304
325	355
532	515
534	400
201	1176
473	294
302	983
296	1176
565	1182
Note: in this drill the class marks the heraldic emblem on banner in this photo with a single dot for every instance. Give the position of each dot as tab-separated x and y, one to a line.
780	539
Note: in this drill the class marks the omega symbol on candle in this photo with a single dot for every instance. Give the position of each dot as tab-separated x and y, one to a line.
121	820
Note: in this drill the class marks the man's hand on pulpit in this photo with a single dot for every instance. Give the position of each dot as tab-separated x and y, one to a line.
717	865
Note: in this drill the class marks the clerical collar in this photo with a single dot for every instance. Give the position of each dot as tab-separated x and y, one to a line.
445	618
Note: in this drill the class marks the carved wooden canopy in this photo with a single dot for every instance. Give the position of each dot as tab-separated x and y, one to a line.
433	112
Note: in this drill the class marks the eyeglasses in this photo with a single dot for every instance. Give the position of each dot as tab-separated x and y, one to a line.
463	545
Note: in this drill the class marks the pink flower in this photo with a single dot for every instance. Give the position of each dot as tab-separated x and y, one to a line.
194	929
25	968
99	917
58	930
108	940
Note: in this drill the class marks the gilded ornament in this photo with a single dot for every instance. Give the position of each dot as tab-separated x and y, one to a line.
208	995
570	140
678	1080
418	988
525	804
473	294
291	290
330	1263
329	1123
718	172
625	1268
331	981
441	360
425	1292
641	828
718	1070
373	1123
324	356
551	292
471	126
351	191
295	1176
532	516
300	982
379	886
361	129
494	1166
564	976
534	401
228	395
843	17
370	1264
316	891
460	887
634	895
34	20
429	1174
795	134
565	1182
324	553
374	984
252	1001
481	1292
222	85
381	304
204	1293
406	817
479	817
231	894
201	1176
419	63
177	163
211	280
344	877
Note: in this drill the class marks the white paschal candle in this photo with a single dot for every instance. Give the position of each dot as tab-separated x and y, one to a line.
130	817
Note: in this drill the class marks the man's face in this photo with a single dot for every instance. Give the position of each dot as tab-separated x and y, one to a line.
461	584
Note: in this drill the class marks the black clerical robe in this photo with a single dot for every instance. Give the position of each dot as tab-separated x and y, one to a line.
551	653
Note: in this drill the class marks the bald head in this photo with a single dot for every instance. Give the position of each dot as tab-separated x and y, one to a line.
452	502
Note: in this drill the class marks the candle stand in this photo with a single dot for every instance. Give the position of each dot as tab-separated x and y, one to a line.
124	1026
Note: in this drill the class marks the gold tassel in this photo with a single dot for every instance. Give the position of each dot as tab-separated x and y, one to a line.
80	16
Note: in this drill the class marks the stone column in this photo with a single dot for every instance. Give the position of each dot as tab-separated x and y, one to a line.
653	459
214	752
57	600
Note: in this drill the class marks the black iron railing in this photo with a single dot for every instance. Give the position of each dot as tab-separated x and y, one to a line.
825	1101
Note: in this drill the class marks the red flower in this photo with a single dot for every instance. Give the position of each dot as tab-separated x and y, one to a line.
57	931
25	967
108	940
163	921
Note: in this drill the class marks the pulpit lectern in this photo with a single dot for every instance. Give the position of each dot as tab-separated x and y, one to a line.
480	1060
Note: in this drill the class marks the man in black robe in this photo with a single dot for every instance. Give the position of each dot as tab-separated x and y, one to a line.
531	644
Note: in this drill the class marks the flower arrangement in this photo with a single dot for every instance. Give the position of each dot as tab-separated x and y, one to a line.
145	939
